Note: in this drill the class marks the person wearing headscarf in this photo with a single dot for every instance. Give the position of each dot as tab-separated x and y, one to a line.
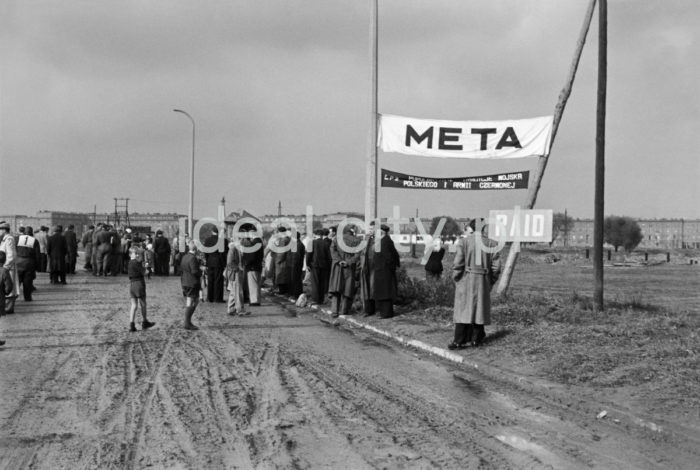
7	245
378	282
345	259
433	266
57	249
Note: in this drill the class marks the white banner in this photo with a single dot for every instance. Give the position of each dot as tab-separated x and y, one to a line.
534	225
465	139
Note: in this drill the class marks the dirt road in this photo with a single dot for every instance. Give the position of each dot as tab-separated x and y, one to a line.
277	389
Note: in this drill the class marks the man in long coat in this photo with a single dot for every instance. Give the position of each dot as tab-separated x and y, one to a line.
378	282
253	263
345	260
7	244
161	248
216	263
318	260
475	270
72	244
57	249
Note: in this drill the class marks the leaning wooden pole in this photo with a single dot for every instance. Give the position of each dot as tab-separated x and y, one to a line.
509	266
599	199
371	180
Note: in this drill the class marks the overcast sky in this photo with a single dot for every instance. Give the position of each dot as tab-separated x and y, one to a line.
280	92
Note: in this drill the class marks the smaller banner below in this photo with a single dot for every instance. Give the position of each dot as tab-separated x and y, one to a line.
515	138
512	180
521	225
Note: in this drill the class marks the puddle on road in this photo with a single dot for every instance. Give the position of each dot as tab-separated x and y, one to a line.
536	450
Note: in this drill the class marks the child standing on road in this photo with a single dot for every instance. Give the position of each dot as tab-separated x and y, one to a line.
137	290
190	278
149	259
6	285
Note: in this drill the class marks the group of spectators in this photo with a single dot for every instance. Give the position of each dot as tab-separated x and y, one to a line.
341	271
26	253
107	251
331	265
335	269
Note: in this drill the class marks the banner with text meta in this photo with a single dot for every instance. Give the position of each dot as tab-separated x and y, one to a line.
515	138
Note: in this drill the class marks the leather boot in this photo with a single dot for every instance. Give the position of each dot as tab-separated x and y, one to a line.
189	311
480	334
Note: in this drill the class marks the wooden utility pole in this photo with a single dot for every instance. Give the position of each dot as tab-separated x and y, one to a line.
371	178
542	162
600	155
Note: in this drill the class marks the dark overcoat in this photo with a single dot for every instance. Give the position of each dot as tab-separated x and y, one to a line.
71	242
345	264
297	269
282	259
320	256
57	249
378	280
474	281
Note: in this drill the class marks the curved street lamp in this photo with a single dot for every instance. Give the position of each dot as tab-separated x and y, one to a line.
190	211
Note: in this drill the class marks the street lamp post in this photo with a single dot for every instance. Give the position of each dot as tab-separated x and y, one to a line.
190	217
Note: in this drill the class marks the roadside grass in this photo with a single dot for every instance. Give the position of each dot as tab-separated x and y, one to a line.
647	335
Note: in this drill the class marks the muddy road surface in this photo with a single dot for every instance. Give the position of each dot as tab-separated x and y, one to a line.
278	389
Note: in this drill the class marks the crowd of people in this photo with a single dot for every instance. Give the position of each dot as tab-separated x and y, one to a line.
327	267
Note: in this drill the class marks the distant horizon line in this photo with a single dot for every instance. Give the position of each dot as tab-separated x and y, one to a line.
354	213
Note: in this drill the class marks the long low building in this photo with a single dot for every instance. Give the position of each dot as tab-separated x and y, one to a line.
657	233
145	223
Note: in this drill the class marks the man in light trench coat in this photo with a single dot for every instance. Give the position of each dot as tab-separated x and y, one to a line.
475	270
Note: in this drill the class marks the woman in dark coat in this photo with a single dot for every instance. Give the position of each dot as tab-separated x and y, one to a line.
379	284
433	267
57	249
341	286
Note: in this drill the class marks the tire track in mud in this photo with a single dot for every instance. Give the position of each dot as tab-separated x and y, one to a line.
139	428
401	423
59	376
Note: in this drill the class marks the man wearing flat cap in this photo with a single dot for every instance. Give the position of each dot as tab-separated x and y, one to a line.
378	283
7	244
